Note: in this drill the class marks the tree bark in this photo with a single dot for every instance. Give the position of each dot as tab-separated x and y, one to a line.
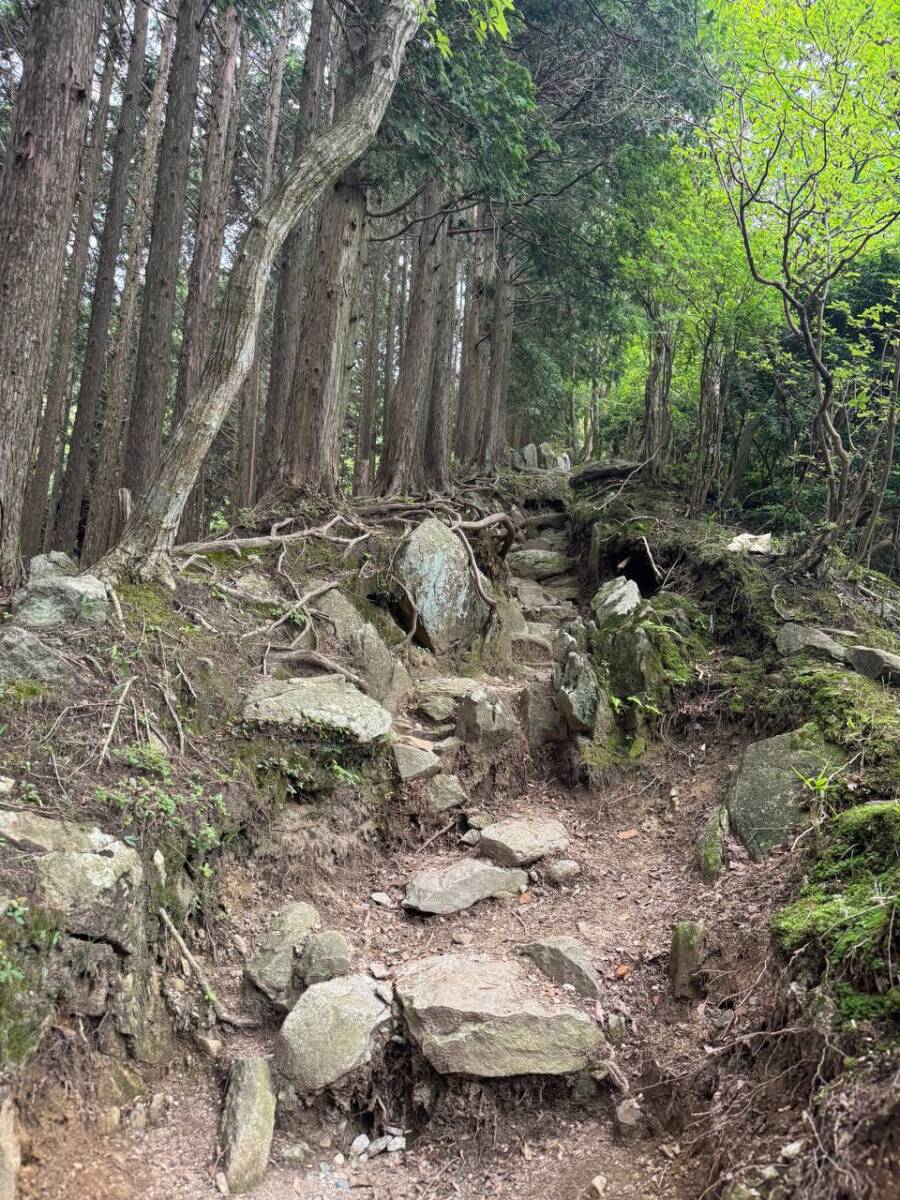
149	535
401	468
657	420
72	492
476	350
437	430
53	423
708	462
244	485
490	437
152	367
390	341
37	192
100	527
292	267
365	432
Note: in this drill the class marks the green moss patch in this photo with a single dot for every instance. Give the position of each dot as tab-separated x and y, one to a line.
28	942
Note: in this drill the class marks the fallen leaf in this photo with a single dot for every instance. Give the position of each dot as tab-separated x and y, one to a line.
627	833
526	898
622	970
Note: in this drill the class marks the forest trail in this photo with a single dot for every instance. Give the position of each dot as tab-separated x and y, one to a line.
635	844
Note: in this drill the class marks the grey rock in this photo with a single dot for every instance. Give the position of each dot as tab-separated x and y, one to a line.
539	564
52	600
441	697
562	871
360	1145
271	969
93	880
414	763
530	456
578	693
711	848
616	1028
686	958
443	792
616	598
628	1118
248	1122
766	795
331	1031
7	786
450	889
875	663
397	1143
10	1153
533	598
484	720
471	837
435	568
485	1019
24	656
325	956
750	543
799	639
543	721
566	960
387	679
51	566
520	841
326	703
564	462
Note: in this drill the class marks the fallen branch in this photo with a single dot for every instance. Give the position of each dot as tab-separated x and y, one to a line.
115	718
495	519
209	994
312	658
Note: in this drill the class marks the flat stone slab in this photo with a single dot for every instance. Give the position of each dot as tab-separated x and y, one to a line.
49	600
248	1122
875	663
413	762
767	797
326	703
23	655
271	969
440	698
539	564
486	1019
520	841
331	1031
568	960
800	639
450	889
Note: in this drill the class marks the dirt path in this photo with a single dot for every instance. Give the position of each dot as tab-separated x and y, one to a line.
634	842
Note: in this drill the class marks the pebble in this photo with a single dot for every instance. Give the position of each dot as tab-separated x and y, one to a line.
396	1143
599	1185
471	837
296	1152
359	1145
379	1145
616	1028
563	870
378	970
383	899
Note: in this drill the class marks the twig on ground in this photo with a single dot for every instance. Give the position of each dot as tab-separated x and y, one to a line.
115	718
209	994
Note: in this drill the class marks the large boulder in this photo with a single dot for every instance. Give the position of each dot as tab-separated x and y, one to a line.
530	456
485	1019
23	655
616	598
566	960
331	1031
271	969
450	889
578	692
50	600
326	704
539	564
94	881
435	568
800	639
386	678
248	1123
485	720
877	664
50	566
767	796
543	721
520	841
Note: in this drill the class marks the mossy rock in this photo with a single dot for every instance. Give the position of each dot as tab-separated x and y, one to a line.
29	948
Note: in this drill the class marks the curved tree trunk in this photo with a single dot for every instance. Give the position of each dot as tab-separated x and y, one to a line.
152	367
150	533
68	516
100	528
37	191
294	254
53	424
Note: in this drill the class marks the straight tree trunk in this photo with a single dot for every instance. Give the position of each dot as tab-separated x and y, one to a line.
741	459
390	341
292	267
708	463
244	485
149	535
37	192
476	349
152	367
365	434
437	431
72	493
401	468
203	275
490	438
310	450
100	528
53	424
657	420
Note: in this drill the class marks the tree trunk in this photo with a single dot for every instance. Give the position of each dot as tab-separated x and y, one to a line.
401	466
365	433
476	350
37	192
292	268
741	459
53	424
390	339
203	275
864	550
657	420
152	367
490	436
100	528
708	462
244	485
72	493
437	431
150	533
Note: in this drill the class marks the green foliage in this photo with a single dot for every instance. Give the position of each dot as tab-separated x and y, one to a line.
28	938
